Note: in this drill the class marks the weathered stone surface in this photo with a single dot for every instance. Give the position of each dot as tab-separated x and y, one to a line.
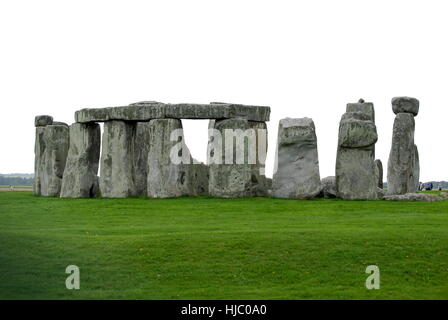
142	141
117	175
42	121
172	172
329	187
413	197
355	133
56	143
355	167
58	123
259	183
144	111
379	172
297	164
234	178
416	169
80	178
381	193
362	107
198	179
405	105
400	168
39	160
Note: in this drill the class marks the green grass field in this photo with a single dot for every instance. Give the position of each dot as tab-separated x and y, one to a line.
205	248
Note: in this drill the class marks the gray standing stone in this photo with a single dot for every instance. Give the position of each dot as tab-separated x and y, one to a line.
117	174
42	121
329	187
172	172
297	167
236	178
355	167
56	139
80	178
39	160
416	169
400	168
142	142
379	172
405	105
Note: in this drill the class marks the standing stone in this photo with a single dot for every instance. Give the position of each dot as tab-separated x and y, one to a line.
164	178
297	167
242	173
80	178
355	167
416	169
56	140
39	160
400	168
117	174
172	172
141	151
379	172
259	183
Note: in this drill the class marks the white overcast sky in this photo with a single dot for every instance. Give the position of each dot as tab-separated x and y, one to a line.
301	58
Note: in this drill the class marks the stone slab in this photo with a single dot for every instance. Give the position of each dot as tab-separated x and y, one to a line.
145	111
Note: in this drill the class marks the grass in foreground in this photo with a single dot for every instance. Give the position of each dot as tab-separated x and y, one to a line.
205	248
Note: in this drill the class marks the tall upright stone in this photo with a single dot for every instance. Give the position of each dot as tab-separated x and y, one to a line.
416	169
379	172
172	172
117	173
56	140
403	168
141	142
80	178
355	166
297	164
234	154
39	159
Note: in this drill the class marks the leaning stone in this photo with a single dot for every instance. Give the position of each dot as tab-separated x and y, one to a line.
42	121
57	140
413	197
297	168
405	105
329	187
80	178
379	172
116	176
400	168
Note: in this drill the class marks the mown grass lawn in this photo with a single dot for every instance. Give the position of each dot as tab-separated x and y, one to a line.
205	248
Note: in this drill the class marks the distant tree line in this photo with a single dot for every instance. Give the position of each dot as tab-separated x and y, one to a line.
15	181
